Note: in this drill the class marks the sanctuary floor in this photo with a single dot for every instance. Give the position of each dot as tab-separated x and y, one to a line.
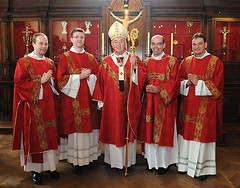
228	171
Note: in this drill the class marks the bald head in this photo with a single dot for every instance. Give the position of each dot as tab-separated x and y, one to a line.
158	36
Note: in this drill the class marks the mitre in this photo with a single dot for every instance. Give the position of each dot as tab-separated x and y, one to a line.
117	30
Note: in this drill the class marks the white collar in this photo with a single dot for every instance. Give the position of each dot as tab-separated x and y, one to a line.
158	57
204	55
124	53
34	56
72	49
125	56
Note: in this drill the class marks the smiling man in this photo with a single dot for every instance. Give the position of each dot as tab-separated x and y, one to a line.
121	103
78	119
200	116
158	119
35	130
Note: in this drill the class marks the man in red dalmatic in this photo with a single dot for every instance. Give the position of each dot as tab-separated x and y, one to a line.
34	117
157	127
78	119
121	102
200	115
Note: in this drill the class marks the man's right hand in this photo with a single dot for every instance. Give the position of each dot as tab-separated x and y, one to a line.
85	73
46	76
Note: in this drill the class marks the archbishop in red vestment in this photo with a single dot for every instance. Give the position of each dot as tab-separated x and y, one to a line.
119	107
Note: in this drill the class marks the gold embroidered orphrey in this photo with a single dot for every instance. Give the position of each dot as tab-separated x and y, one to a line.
78	112
41	125
199	120
158	120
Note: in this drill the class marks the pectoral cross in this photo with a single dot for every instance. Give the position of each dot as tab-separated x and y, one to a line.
224	32
27	40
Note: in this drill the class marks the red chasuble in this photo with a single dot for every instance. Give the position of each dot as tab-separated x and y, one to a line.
34	118
77	115
159	110
119	108
200	117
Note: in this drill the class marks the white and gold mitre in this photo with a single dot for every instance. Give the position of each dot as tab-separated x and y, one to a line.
117	30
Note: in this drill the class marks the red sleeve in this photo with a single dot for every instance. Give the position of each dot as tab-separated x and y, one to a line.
216	83
99	88
62	72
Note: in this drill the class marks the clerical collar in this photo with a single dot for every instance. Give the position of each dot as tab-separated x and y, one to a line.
204	55
34	56
158	57
119	55
72	49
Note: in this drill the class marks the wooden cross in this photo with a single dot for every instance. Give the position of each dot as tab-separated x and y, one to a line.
224	32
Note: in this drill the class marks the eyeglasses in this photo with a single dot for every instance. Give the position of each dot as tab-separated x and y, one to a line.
42	44
158	44
77	37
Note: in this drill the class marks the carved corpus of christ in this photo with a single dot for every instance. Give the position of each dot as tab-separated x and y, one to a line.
126	22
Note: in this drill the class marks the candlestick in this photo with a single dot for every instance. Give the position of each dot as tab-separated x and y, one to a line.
171	44
148	44
103	44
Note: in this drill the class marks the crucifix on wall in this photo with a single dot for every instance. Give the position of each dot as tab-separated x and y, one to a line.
27	39
125	21
224	32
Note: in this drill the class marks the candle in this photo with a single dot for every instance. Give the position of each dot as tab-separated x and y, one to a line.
171	44
102	43
148	44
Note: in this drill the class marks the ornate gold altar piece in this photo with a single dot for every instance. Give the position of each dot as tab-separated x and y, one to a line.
189	25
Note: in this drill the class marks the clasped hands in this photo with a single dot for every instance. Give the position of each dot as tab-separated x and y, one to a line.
46	77
192	79
85	74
